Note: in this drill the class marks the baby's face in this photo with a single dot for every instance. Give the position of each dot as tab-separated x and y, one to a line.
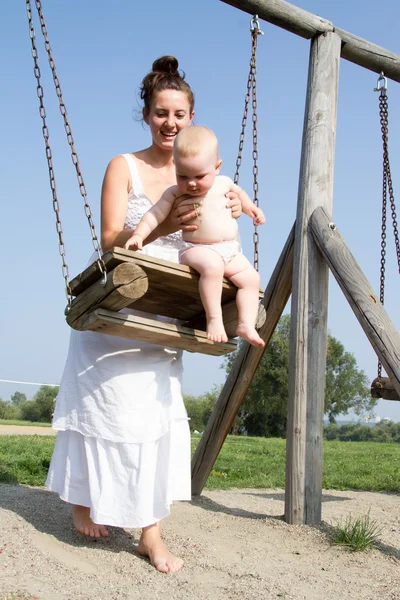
195	175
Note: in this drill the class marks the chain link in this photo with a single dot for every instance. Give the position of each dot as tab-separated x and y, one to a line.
251	93
386	186
70	139
46	136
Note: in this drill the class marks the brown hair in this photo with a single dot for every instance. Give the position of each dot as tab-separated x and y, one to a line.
164	75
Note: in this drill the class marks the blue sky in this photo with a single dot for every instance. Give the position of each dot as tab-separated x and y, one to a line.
102	51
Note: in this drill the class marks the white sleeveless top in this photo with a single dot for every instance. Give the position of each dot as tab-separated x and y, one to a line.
117	389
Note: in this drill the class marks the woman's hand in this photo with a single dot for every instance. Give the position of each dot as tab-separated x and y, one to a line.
234	204
183	212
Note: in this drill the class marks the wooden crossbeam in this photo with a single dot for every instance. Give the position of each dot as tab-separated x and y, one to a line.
307	25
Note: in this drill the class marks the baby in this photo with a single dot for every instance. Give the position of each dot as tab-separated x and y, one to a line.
213	248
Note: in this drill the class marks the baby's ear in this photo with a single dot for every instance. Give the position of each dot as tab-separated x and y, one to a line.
218	166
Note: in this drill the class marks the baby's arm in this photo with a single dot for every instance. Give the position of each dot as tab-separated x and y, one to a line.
248	207
151	219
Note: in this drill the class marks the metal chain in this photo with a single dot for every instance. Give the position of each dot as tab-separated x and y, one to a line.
386	185
67	127
46	135
251	92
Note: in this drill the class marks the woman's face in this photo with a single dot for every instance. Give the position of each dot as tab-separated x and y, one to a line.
169	113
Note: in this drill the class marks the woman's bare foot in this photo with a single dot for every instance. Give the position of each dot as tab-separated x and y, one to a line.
84	524
250	335
152	546
216	330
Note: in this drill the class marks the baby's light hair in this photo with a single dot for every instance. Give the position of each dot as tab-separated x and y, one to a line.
195	140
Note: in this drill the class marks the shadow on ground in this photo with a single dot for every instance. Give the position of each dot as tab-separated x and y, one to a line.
48	514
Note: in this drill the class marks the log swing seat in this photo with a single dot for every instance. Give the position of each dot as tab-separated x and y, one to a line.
122	278
154	286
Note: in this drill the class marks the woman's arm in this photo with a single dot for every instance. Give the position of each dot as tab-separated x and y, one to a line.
114	204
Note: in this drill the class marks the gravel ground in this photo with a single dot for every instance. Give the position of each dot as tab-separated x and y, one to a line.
235	546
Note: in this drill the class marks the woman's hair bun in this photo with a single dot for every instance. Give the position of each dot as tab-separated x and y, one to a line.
166	64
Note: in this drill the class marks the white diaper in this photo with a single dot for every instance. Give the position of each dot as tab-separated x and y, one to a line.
227	250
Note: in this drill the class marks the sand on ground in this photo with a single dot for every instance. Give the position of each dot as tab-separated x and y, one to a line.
235	546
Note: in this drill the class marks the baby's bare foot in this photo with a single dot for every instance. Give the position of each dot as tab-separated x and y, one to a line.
160	557
216	330
84	524
249	334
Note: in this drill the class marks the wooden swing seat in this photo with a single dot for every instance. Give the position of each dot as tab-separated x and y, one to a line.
154	286
382	387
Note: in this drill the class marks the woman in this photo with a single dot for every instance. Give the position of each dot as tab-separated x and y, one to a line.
122	454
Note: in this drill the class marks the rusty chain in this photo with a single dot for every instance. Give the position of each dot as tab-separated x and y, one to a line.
74	155
251	92
386	186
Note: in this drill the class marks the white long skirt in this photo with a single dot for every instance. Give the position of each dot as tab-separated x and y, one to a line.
123	484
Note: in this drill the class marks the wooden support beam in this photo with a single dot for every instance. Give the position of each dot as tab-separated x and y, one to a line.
125	283
307	25
382	387
239	379
309	310
364	302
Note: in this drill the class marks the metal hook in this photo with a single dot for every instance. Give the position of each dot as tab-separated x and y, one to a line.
255	26
382	83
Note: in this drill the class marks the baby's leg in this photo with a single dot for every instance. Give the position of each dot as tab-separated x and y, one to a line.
246	278
210	266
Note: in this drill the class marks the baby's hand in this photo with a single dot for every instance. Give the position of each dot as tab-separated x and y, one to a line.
135	242
258	215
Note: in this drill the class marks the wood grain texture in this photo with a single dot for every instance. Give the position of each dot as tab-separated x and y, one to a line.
172	288
143	329
382	387
125	284
309	308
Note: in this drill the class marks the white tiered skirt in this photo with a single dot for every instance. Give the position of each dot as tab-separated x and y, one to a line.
123	484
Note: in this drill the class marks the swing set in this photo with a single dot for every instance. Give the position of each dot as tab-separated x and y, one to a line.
123	278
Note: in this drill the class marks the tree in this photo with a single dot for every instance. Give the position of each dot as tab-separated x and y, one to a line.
264	410
7	411
346	387
44	399
200	408
41	407
17	399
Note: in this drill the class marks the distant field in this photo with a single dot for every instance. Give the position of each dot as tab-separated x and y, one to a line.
243	462
27	423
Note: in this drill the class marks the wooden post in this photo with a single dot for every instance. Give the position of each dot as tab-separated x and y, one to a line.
308	330
364	302
241	375
307	25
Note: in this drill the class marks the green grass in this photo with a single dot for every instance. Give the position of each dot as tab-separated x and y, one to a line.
243	462
357	534
27	423
25	458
